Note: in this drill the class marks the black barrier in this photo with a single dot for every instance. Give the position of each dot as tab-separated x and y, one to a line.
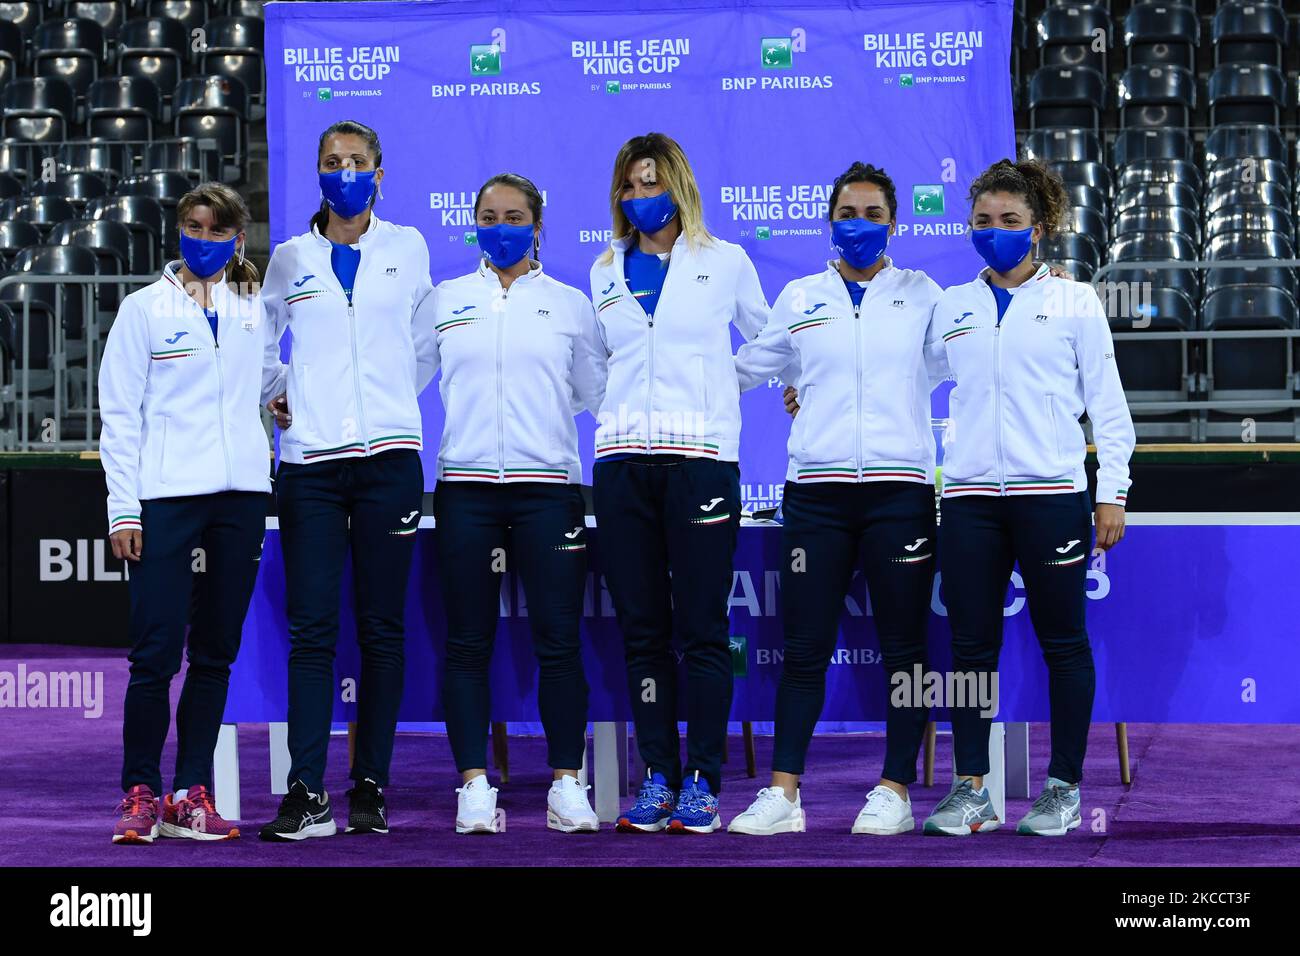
65	586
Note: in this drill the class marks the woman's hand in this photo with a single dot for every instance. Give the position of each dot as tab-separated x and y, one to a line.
279	407
1110	526
127	544
791	398
1057	272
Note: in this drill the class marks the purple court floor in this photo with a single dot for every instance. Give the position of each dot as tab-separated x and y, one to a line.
1207	795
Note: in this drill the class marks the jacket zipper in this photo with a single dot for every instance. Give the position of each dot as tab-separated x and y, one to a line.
501	400
857	371
650	352
221	413
997	393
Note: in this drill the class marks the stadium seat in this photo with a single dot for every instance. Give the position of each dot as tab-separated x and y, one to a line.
1081	196
1250	219
1248	367
244	8
1088	224
10	185
187	155
1160	219
1162	32
38	109
1156	194
123	108
70	302
111	160
1066	96
1156	247
166	188
26	15
1249	31
234	48
144	217
1251	245
15	235
109	14
1248	170
213	107
77	188
71	49
192	14
1237	141
154	48
1075	253
1136	144
1229	196
111	244
1074	35
1247	93
1156	96
1063	145
1096	175
1144	171
41	211
1152	370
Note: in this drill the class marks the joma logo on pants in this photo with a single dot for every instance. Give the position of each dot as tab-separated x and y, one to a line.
75	909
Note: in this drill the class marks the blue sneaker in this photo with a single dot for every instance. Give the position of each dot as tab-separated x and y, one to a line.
697	808
653	807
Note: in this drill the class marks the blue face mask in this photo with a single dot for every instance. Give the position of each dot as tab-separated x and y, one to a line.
1002	249
860	242
348	196
206	257
505	244
651	214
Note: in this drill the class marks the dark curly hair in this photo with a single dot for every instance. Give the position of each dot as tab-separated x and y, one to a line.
1041	188
865	173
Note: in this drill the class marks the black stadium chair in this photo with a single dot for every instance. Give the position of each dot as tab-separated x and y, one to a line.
234	48
1096	175
1156	194
1156	247
191	13
245	8
1249	367
1229	196
1164	31
186	155
1249	32
1063	145
38	109
1237	141
1156	96
123	108
109	14
70	302
144	217
1247	170
1247	93
26	15
213	107
111	160
109	241
1077	35
16	235
1153	370
1250	245
41	211
77	188
166	188
1066	96
1132	145
71	49
1088	197
1159	219
155	48
1250	219
1144	171
1074	253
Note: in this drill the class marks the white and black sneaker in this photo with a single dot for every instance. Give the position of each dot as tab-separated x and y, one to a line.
302	814
366	812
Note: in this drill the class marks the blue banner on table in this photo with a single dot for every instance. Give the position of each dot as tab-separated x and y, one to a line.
1188	625
770	100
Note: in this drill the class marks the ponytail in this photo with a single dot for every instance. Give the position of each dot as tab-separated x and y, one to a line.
1041	188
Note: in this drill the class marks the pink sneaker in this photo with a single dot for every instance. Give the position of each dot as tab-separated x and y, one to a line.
196	818
137	816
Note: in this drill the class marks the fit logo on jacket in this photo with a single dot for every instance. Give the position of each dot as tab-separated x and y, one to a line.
672	385
864	375
1022	386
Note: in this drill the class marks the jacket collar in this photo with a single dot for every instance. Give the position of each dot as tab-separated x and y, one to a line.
887	272
1044	271
375	223
485	272
622	244
171	274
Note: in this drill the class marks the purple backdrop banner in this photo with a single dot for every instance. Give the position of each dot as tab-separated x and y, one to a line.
771	99
1189	624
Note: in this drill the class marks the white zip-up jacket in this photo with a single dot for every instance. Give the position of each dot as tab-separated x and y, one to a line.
1022	385
864	375
517	366
672	385
180	412
355	369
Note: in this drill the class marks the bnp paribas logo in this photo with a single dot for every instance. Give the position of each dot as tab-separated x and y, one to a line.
324	93
613	86
778	53
763	232
484	59
906	80
927	200
471	238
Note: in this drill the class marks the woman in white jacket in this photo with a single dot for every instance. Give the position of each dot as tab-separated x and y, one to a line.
666	478
859	490
520	356
350	478
187	463
1031	353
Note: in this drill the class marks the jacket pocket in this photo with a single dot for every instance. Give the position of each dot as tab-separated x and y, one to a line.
805	399
702	380
1054	429
163	463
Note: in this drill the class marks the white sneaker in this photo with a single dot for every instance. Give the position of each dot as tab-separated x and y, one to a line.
771	812
567	807
476	807
885	814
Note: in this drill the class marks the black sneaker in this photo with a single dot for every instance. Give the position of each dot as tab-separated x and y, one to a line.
366	812
302	814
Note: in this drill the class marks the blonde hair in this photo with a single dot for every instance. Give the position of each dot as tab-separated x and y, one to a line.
672	170
229	211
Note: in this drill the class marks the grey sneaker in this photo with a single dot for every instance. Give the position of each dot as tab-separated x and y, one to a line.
962	812
1055	812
